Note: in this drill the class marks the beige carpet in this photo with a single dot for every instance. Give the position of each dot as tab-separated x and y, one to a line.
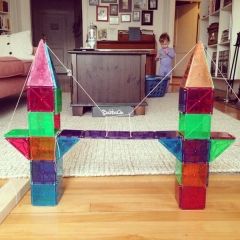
117	157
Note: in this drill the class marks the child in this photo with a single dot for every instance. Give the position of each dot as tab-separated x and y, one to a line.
165	55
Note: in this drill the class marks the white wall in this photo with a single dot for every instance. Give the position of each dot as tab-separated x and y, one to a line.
163	19
20	16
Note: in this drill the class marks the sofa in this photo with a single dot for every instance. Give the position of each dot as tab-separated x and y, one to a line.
16	56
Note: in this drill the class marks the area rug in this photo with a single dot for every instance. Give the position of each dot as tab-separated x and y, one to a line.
103	157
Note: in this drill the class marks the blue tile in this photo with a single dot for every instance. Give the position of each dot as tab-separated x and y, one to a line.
174	145
46	194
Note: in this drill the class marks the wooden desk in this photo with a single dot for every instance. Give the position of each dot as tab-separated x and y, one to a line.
113	77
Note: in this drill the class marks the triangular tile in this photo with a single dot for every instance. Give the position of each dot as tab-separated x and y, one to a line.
174	145
40	74
22	145
218	146
197	73
64	144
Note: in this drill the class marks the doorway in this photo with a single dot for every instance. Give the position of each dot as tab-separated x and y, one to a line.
59	22
186	32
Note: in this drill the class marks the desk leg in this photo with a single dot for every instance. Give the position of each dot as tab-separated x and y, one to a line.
77	111
140	110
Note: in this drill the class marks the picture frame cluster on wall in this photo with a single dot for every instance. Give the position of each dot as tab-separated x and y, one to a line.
125	11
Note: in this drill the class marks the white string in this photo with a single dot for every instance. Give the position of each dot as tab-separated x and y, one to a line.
74	78
162	79
130	126
225	79
18	101
106	126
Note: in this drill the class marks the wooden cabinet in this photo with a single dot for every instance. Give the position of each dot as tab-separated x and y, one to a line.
110	77
147	42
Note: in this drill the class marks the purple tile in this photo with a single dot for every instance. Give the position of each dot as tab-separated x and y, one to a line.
72	133
143	135
195	151
43	171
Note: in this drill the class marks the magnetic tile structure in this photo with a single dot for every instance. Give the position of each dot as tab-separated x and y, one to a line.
193	145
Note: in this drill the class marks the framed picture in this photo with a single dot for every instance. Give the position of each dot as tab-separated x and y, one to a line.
126	17
113	9
136	16
125	5
102	13
113	20
147	17
93	2
108	1
102	34
152	4
140	4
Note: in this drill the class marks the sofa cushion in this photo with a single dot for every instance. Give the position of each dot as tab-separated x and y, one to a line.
17	44
11	66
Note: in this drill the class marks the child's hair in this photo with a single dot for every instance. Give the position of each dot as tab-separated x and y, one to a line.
163	37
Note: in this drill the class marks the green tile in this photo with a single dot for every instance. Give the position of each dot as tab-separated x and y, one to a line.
195	126
218	147
58	100
41	124
17	133
178	171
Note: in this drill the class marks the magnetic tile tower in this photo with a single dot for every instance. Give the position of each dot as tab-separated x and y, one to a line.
39	143
194	145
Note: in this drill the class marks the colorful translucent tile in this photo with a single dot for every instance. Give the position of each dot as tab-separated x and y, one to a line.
57	121
60	167
43	172
17	133
72	133
58	100
195	126
22	145
174	145
195	151
197	73
218	146
41	124
40	99
222	135
42	148
52	69
46	194
64	144
40	74
182	99
190	197
196	100
178	171
194	174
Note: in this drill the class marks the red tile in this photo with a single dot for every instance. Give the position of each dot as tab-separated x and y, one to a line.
40	99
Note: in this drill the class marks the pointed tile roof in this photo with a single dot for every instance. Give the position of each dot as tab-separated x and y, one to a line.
41	72
197	73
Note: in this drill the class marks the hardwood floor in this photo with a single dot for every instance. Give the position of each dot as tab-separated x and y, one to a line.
130	208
